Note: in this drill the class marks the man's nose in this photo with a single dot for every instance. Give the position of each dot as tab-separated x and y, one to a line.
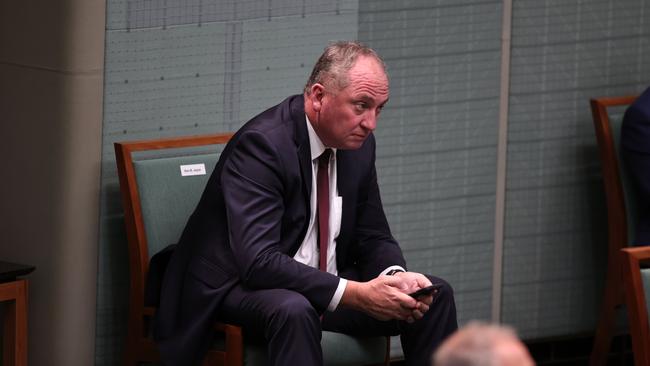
370	122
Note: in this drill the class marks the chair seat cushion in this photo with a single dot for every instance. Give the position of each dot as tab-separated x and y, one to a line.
338	350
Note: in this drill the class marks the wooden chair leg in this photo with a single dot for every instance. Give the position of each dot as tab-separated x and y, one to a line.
387	358
130	351
15	324
613	298
603	336
9	341
234	346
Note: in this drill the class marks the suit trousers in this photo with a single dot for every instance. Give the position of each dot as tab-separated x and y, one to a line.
292	328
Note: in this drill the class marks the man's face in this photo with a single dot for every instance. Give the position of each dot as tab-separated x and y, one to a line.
348	116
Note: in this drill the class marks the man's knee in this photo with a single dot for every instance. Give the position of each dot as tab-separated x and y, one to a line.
293	308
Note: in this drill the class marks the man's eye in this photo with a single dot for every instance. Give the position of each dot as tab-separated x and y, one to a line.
360	106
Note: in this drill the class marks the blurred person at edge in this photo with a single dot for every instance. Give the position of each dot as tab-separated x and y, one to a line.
480	344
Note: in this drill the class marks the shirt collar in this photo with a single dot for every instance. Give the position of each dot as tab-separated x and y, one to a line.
316	145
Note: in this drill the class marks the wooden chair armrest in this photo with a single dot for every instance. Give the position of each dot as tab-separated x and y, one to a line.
639	254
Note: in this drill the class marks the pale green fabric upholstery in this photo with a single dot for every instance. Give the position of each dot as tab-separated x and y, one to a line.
168	199
338	350
645	277
615	123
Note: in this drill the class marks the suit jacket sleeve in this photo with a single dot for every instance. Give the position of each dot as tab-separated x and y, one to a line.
255	185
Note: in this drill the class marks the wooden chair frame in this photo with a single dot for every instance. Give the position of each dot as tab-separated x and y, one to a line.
140	347
636	302
616	224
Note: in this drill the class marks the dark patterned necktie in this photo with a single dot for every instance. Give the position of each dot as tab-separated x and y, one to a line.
323	202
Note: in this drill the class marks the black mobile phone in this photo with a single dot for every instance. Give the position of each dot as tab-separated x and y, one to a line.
425	291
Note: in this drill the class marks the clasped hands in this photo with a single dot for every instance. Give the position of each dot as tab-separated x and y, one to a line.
386	297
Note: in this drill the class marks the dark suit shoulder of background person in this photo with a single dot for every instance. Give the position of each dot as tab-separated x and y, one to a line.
635	131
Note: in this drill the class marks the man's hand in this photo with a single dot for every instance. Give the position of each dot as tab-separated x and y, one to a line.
386	297
412	282
382	298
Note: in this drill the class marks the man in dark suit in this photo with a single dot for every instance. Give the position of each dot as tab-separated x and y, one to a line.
251	251
635	140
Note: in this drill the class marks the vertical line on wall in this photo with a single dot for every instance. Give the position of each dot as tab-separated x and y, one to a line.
232	75
499	214
639	69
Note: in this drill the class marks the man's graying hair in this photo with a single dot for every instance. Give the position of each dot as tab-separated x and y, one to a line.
474	345
333	65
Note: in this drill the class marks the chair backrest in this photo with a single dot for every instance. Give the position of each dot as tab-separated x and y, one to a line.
619	192
608	119
167	196
160	189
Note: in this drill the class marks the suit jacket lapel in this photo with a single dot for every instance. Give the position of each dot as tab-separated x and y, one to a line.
301	138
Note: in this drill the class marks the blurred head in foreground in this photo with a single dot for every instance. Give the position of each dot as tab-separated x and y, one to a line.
480	344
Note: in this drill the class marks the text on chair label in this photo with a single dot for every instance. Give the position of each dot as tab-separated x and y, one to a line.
192	169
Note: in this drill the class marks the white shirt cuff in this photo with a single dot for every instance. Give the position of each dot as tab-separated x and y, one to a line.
392	268
338	294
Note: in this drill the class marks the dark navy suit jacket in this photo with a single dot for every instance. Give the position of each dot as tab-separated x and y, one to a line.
251	220
635	140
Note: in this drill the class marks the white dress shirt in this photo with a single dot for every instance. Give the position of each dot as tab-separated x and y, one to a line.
308	253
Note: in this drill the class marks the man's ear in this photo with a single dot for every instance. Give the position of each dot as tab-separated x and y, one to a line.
317	94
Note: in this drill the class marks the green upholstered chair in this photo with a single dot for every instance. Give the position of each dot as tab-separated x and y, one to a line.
621	212
157	202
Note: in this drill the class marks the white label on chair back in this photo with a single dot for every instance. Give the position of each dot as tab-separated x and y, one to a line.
192	169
